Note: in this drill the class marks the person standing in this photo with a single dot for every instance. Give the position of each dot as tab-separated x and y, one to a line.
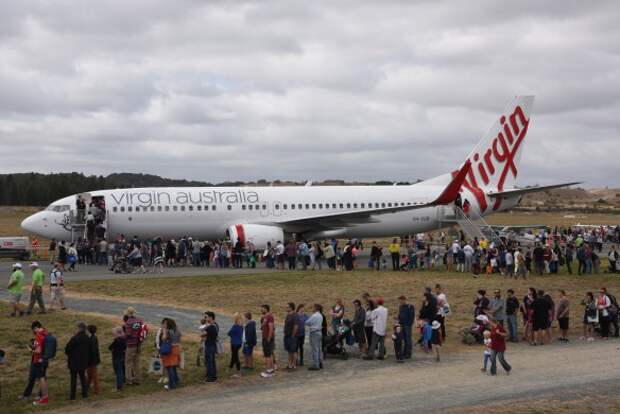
235	333
291	326
541	317
613	313
133	334
250	341
267	326
379	317
443	309
118	348
512	307
38	365
301	332
94	359
497	307
170	351
562	315
498	347
36	294
602	304
51	251
394	249
357	325
375	256
77	351
315	327
211	333
57	287
406	319
16	288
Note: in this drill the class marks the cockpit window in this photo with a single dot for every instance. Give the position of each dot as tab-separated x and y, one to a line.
58	208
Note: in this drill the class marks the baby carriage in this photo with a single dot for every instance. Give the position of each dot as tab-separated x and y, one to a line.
120	265
474	334
336	343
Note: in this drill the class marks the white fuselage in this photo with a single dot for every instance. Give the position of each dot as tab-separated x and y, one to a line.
206	212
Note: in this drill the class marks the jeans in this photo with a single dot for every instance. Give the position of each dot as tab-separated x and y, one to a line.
173	377
31	380
210	351
395	261
119	372
513	332
300	348
408	345
498	355
316	339
485	361
83	383
377	341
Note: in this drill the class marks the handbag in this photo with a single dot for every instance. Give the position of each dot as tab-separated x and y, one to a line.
155	366
165	348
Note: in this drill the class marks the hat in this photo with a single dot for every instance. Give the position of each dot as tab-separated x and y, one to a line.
17	266
436	325
34	264
130	311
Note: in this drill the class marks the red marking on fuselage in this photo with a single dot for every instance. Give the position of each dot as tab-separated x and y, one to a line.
240	233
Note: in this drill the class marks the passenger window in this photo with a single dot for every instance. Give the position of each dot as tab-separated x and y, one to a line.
284	207
354	205
376	205
129	208
199	208
300	206
292	206
152	208
137	209
348	205
115	209
190	208
276	206
229	207
249	206
341	205
313	206
243	207
334	205
362	206
213	207
182	208
382	204
158	208
122	209
264	206
175	208
389	204
167	208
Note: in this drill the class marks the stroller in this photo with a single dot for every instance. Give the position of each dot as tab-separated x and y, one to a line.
120	265
336	343
474	334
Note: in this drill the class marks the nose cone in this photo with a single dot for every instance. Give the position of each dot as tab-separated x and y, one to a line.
32	224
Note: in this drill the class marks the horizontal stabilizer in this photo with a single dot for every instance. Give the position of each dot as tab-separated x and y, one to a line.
521	191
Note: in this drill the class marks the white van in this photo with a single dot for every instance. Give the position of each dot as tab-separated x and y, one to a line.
15	247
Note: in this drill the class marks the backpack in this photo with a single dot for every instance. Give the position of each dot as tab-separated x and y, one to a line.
139	330
49	347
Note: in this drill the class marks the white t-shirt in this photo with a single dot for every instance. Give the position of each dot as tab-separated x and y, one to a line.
279	249
508	258
380	317
56	277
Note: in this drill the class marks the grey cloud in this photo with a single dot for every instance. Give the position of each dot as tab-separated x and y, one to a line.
359	90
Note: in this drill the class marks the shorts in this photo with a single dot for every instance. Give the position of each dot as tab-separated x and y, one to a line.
39	370
540	325
15	298
563	323
290	344
57	293
280	258
248	350
268	347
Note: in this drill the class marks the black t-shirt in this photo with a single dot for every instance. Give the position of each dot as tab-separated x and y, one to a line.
289	324
211	338
512	305
541	309
481	305
539	254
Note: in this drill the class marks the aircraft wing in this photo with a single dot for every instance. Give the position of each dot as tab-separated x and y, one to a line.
349	218
521	191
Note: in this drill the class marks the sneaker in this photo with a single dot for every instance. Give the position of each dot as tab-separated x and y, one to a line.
167	387
590	339
266	374
42	401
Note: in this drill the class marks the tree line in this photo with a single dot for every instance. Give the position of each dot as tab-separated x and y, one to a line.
36	189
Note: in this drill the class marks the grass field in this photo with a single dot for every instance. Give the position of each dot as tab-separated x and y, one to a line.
524	218
231	293
11	218
15	335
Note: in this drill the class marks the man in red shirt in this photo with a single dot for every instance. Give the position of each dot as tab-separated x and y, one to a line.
267	326
38	365
498	347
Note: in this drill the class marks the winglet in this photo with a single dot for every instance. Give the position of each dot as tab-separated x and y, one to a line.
451	192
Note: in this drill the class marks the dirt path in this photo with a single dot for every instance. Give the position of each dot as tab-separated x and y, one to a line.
420	386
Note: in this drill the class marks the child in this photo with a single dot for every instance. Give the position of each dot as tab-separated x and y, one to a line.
487	350
118	347
398	336
431	336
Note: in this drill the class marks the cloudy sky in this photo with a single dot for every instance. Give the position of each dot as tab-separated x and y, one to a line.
358	90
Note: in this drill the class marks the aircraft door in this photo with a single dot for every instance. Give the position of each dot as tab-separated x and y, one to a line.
277	208
264	209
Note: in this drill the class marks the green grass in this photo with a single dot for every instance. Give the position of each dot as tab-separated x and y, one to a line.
15	335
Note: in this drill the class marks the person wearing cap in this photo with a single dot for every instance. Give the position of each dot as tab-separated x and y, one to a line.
57	287
16	287
36	293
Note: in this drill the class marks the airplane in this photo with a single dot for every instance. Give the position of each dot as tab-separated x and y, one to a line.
483	184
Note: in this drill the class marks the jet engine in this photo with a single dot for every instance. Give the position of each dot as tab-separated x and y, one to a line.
258	234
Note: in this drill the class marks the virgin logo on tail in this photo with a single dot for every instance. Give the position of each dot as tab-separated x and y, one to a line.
491	166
